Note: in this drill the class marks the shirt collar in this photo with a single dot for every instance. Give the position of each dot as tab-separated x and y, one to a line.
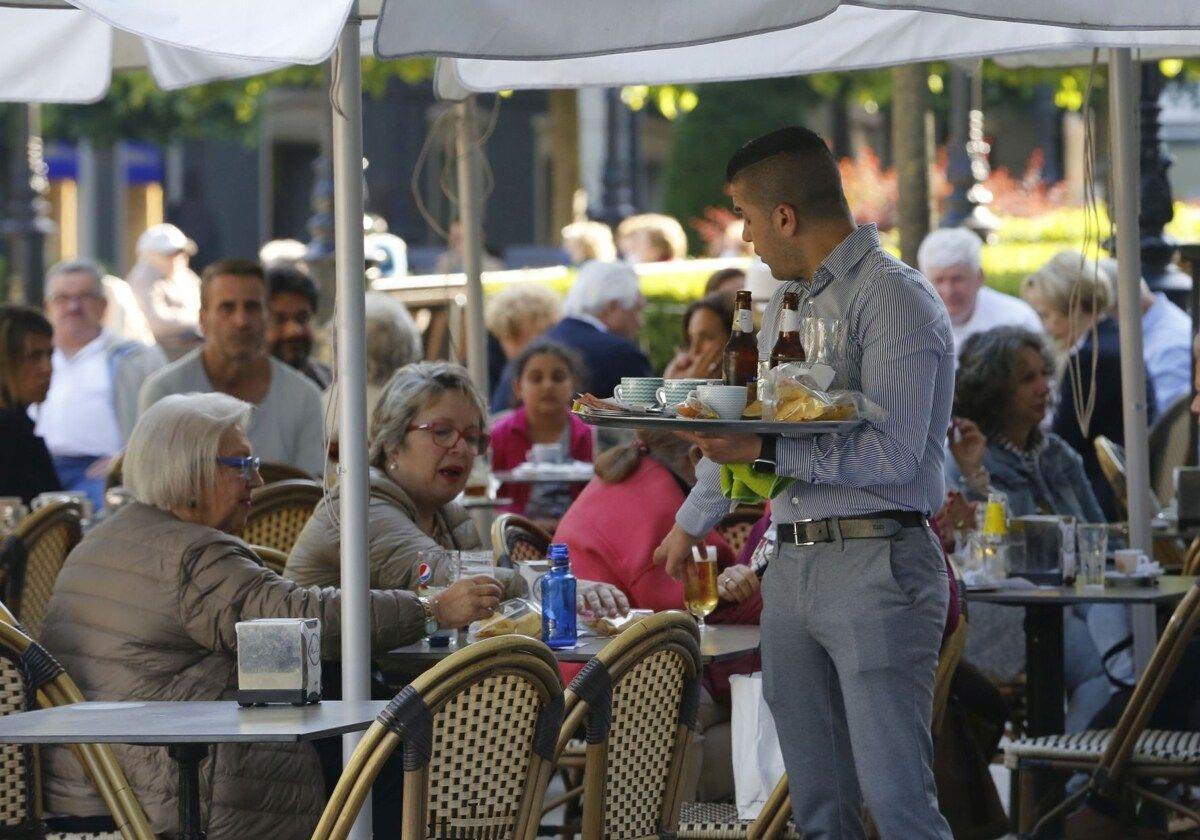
863	240
97	345
591	319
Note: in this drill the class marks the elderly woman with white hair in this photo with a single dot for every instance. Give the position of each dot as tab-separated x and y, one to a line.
1072	295
603	318
951	259
146	605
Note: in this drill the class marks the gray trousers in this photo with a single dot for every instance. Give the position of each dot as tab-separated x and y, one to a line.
850	640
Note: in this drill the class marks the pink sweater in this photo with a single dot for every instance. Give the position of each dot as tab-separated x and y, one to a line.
612	531
510	448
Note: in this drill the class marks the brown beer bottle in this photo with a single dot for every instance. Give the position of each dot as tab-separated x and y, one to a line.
788	347
741	353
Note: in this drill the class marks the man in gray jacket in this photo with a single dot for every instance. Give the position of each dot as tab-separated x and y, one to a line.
92	404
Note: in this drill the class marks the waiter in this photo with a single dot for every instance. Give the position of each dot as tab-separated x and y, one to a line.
855	600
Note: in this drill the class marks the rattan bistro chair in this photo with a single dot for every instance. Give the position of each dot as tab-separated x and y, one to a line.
735	527
478	733
1118	758
516	539
34	555
637	700
273	559
273	473
29	678
280	511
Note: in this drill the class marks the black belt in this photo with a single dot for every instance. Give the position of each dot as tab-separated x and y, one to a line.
882	525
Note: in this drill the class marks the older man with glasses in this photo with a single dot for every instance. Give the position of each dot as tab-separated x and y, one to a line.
91	407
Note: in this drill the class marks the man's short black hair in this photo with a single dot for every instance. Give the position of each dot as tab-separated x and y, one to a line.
287	279
794	166
235	266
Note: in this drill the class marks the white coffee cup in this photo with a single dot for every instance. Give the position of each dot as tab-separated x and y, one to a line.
729	401
1129	560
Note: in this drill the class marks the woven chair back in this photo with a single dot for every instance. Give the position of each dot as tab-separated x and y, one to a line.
1112	464
31	678
1191	559
47	535
1148	691
274	560
478	733
273	472
1169	447
736	527
280	511
638	700
516	539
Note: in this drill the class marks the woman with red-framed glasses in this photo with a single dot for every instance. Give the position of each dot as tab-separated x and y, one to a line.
426	432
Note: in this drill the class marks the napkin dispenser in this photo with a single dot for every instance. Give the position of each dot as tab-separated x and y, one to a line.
1042	548
279	661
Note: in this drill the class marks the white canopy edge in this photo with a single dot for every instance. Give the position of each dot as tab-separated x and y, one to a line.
539	30
852	38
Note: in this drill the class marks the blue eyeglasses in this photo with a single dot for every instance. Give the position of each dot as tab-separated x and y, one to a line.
247	464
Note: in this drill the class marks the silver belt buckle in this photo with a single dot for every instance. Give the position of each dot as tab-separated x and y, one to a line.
796	532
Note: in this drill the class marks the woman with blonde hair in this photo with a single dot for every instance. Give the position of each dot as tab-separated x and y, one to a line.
517	315
1072	295
588	240
146	608
651	237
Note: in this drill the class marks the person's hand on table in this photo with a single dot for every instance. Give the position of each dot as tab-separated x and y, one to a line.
732	448
470	599
737	583
596	599
672	553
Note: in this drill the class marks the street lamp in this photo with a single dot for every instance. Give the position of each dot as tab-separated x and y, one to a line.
967	167
27	223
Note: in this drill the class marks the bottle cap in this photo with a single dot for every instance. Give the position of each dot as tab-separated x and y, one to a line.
558	554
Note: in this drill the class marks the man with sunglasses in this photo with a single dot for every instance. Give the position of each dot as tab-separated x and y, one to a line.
286	426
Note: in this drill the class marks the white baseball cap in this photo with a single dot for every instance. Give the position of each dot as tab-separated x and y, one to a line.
164	239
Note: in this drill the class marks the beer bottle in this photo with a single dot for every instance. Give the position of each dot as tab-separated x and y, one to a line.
741	353
788	347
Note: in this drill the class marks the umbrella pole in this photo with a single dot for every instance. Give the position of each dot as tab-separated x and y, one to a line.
469	209
1122	99
351	361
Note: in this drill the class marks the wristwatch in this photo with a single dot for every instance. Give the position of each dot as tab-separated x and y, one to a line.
431	622
765	462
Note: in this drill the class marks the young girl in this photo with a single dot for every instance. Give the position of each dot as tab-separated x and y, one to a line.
545	377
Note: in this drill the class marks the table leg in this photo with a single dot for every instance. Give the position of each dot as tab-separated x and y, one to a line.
1045	701
187	759
1145	635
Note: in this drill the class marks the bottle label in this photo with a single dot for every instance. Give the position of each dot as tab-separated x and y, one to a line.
790	322
743	321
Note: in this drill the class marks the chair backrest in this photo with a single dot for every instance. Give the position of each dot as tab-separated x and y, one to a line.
273	472
1169	447
736	527
516	539
273	559
1148	691
1191	559
29	677
638	700
1112	463
47	535
280	511
478	732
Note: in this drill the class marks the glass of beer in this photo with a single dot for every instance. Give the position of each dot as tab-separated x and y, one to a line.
700	584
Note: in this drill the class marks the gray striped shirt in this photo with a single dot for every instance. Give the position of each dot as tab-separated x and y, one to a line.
898	350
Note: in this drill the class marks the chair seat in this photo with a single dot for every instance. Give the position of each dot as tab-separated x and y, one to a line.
717	821
1153	747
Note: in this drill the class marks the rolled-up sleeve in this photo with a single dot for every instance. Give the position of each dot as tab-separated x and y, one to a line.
902	348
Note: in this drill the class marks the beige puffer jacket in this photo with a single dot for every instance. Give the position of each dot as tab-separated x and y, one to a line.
145	609
393	541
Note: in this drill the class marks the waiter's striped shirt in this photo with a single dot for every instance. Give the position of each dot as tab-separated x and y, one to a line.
898	350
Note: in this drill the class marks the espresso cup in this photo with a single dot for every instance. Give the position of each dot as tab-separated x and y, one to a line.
675	391
729	401
1128	560
638	390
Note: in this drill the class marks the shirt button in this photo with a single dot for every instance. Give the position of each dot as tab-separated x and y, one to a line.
795	501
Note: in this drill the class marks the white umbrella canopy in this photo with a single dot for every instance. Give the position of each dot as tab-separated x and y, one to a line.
851	38
502	29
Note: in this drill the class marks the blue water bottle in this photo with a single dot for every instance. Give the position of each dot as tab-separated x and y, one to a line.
558	600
